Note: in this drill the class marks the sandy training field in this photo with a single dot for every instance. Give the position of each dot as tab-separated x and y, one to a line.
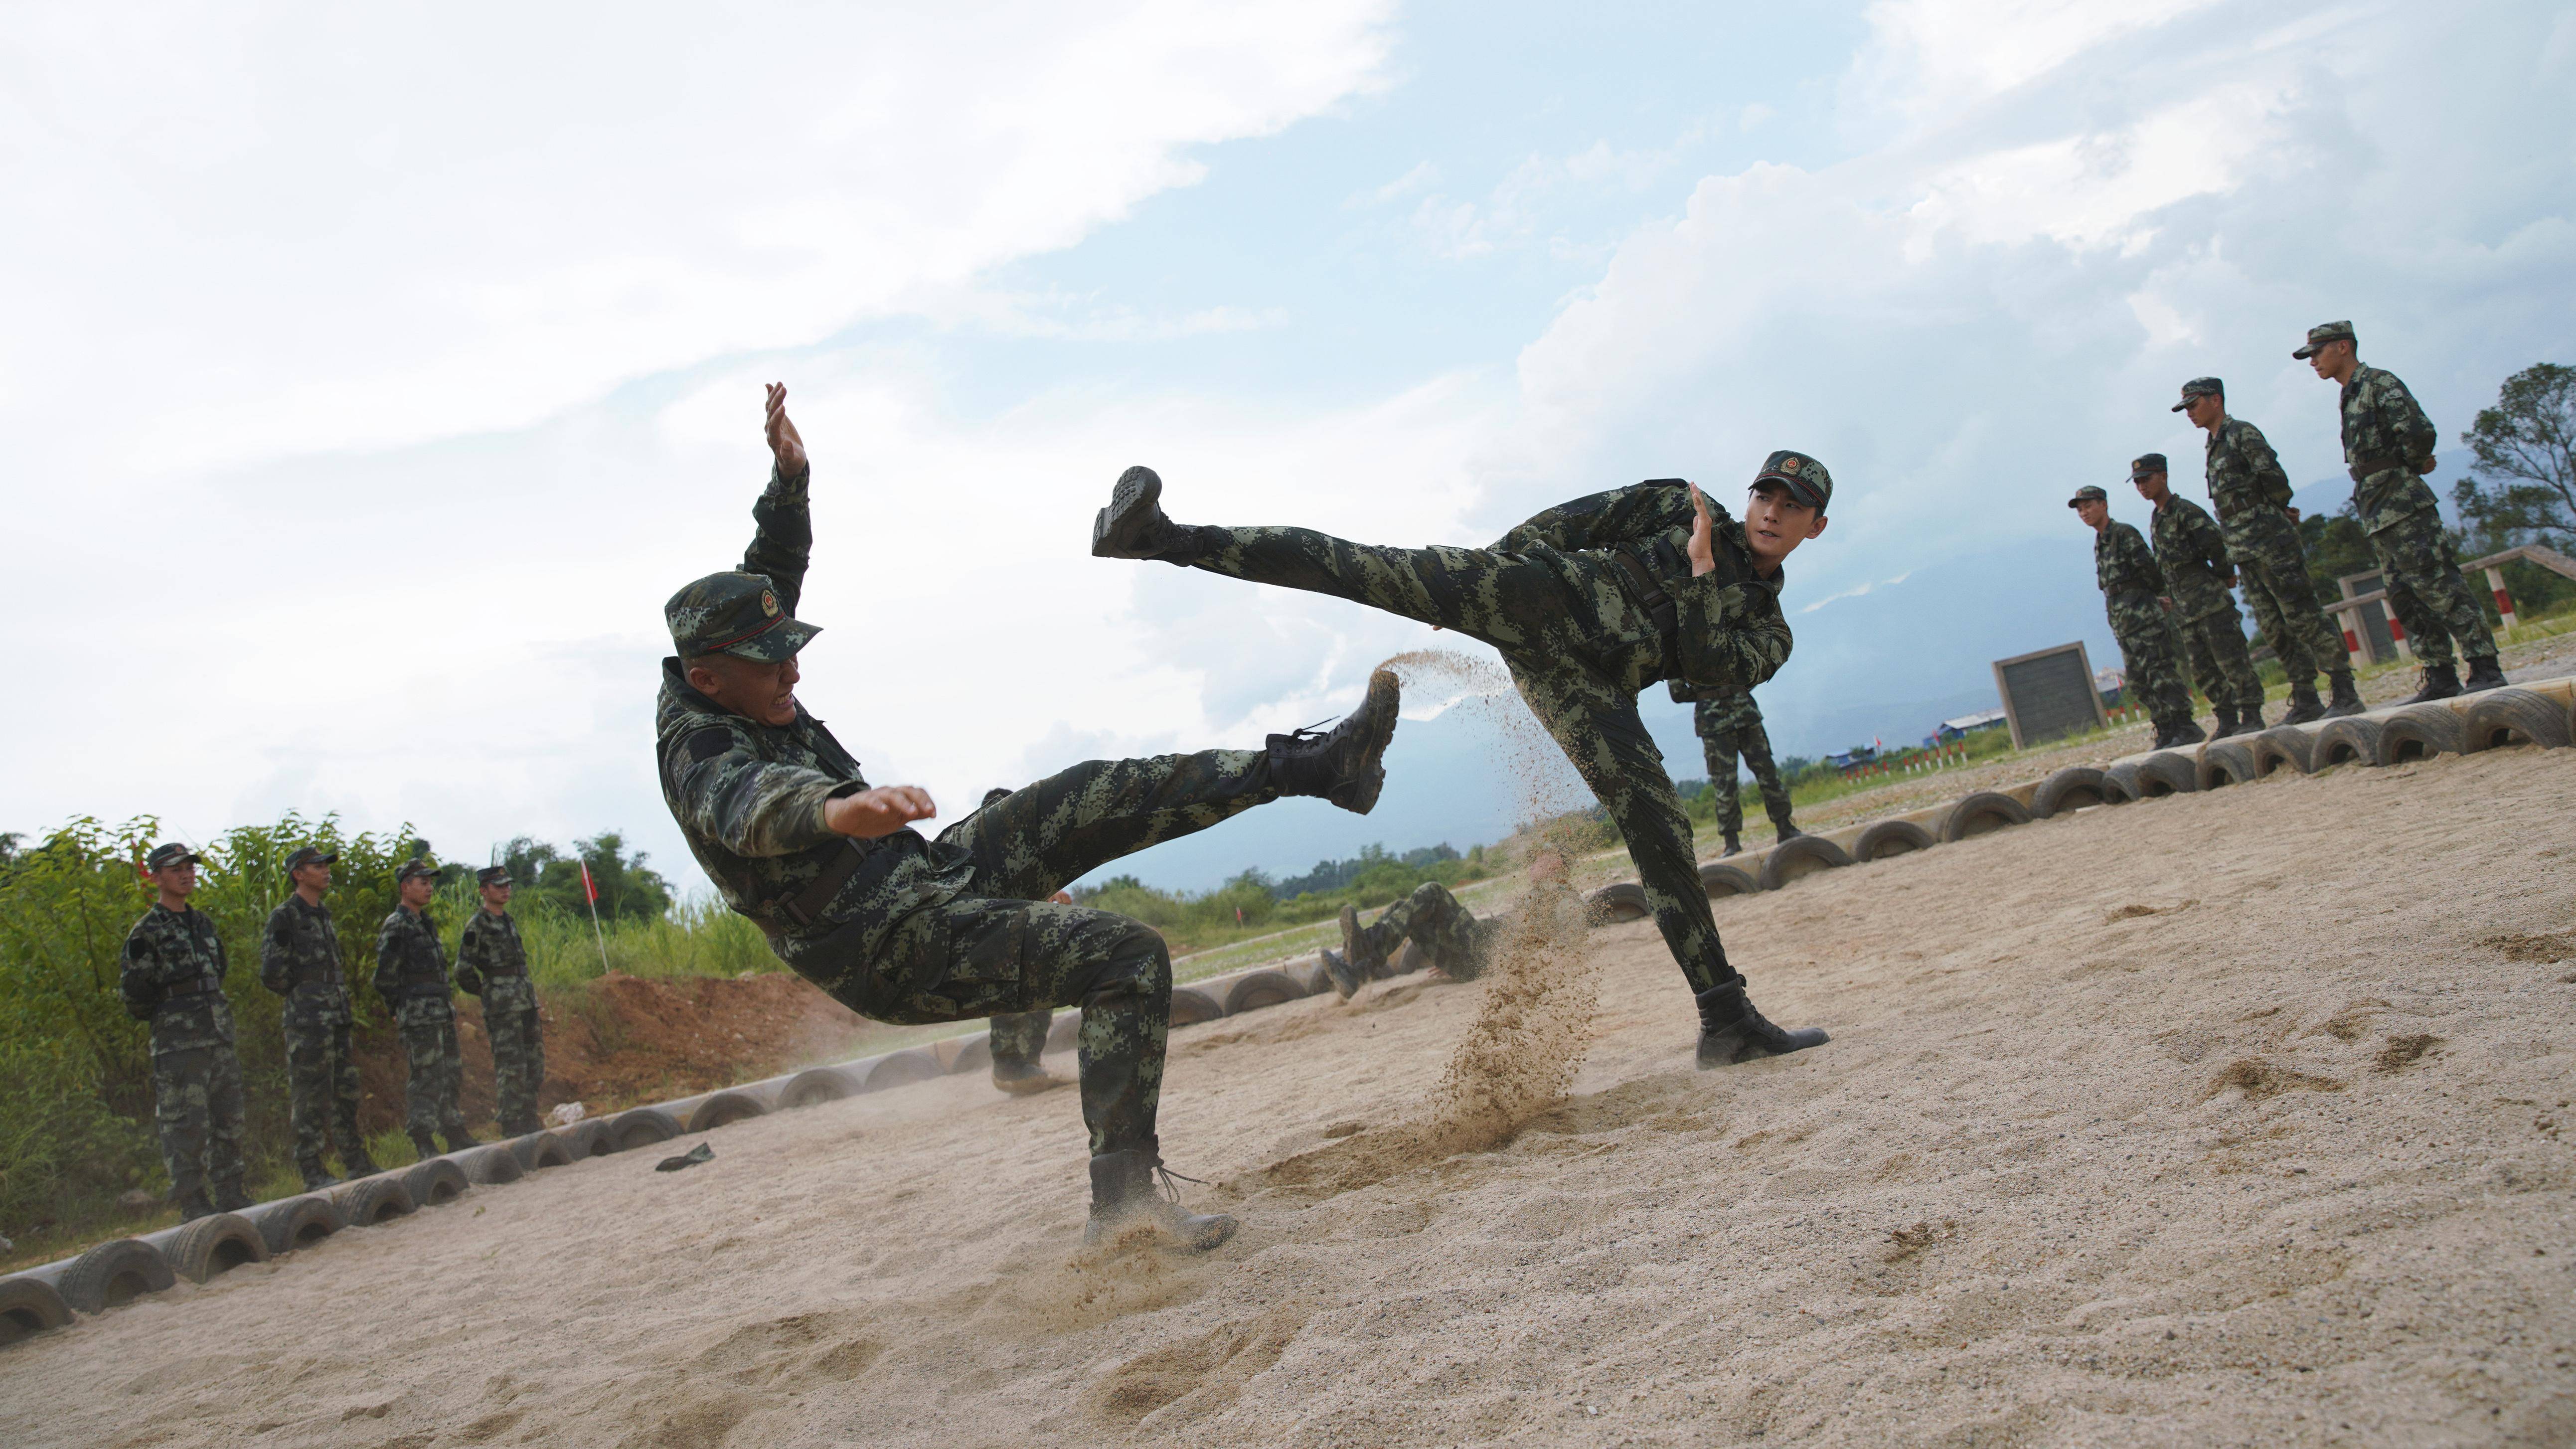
2226	1118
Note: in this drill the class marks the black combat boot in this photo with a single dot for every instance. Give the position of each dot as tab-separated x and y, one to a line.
1346	978
359	1164
1124	1196
1733	846
1357	961
1133	525
2441	681
1783	832
2304	704
2484	674
229	1197
2250	721
425	1145
194	1204
2345	701
2188	732
460	1139
1731	1030
2226	724
315	1179
1023	1079
1344	765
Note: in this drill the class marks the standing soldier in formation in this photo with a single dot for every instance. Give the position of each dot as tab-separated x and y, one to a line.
2252	495
492	963
2132	587
411	975
2193	556
173	978
1730	723
2388	447
299	959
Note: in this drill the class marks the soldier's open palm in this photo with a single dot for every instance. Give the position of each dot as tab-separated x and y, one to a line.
1703	547
784	443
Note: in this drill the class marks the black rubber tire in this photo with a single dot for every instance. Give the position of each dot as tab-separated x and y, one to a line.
1623	901
901	1069
1190	1006
1718	880
1254	990
540	1149
2223	763
435	1183
975	1056
641	1127
2421	731
2148	777
298	1222
2076	787
29	1306
216	1243
2518	717
814	1086
586	1139
113	1274
1885	838
371	1201
491	1164
2352	740
2283	746
1980	812
1798	856
1067	1026
723	1109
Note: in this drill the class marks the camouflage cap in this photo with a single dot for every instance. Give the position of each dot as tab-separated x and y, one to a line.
304	855
411	868
492	875
2200	387
737	614
2320	335
2144	464
1806	478
2088	494
165	856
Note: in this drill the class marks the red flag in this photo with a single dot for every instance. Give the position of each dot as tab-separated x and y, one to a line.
589	888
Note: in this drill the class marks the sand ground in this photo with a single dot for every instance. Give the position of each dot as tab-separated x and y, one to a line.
2223	1119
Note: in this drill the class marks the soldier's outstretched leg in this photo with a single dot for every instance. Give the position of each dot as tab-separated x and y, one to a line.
1755	741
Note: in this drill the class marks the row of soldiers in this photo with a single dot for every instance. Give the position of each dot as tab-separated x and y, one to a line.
172	977
2169	602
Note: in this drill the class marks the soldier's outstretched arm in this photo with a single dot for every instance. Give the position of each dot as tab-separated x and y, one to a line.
1619	515
783	542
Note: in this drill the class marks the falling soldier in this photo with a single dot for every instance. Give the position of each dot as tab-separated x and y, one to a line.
1457	943
299	959
909	929
2388	447
2252	495
492	963
2192	554
411	975
1589	602
2132	593
172	976
1729	724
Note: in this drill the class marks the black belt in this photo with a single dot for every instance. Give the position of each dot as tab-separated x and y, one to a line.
198	987
2364	467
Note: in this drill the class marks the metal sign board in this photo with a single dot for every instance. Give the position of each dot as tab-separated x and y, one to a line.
2049	693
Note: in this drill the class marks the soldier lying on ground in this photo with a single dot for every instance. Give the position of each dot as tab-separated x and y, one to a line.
904	928
1458	942
1589	603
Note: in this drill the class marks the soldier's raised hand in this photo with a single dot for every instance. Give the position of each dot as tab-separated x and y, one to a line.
784	444
878	812
1703	546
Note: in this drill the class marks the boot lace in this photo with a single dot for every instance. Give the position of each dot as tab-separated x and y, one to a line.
1172	1182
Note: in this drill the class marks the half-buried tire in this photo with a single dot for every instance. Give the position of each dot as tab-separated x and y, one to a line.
2280	746
540	1149
1257	989
216	1243
1718	880
493	1164
113	1274
1979	813
29	1306
1800	855
903	1068
299	1222
435	1183
2151	777
2503	717
2074	788
975	1056
587	1138
1885	838
642	1127
1623	901
373	1200
2419	732
2353	740
723	1109
814	1086
1190	1006
2224	763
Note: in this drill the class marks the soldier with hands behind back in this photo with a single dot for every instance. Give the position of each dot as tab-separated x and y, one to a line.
411	975
172	976
2192	553
2132	593
492	963
299	959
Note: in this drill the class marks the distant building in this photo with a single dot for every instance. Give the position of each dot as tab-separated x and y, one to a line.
1968	724
1852	758
2111	684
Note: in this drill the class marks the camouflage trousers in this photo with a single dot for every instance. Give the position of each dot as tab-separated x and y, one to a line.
2420	568
321	1081
2151	655
427	1026
1432	918
1579	655
2213	639
1005	951
1722	744
2273	569
518	1050
197	1104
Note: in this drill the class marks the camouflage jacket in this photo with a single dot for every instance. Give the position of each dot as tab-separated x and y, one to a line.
487	949
172	975
749	797
409	961
2387	445
1715	710
2123	564
1728	631
2193	556
2247	485
299	959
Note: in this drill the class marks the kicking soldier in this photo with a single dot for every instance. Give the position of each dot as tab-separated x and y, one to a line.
1459	942
299	959
2252	495
2150	649
492	963
2192	554
1589	603
904	928
2387	447
1729	724
411	975
172	976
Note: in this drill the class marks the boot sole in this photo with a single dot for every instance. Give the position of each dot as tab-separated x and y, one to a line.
1133	504
1385	696
1758	1052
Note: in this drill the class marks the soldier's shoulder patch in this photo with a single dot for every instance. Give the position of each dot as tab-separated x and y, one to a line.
707	743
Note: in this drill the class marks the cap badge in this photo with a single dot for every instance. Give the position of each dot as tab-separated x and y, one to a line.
1788	465
769	603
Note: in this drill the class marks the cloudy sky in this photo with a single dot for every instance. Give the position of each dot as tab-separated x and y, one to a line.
373	373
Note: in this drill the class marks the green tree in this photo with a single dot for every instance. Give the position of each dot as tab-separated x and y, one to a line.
2525	447
629	888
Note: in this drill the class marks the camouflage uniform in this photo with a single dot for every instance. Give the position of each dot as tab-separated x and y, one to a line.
910	929
2150	647
299	959
2192	554
1730	723
173	977
2249	488
411	975
492	963
1451	935
2387	446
